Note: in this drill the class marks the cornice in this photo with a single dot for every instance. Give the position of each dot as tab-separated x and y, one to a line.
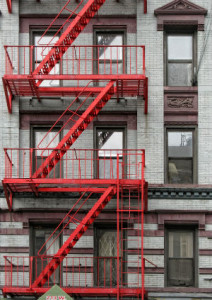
180	7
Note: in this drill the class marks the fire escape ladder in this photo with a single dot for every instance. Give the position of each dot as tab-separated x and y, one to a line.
76	130
68	37
74	237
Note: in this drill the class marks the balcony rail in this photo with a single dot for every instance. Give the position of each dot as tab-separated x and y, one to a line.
81	271
76	163
77	60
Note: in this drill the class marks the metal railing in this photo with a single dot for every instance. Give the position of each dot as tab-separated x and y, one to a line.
75	271
76	163
77	60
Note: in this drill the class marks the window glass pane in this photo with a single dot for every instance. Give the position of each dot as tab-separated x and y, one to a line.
110	68
41	236
180	171
50	140
107	257
180	47
181	272
108	139
179	74
107	243
108	39
41	50
180	258
180	144
108	168
180	244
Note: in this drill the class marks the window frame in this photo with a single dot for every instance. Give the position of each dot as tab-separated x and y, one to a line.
39	30
47	126
113	30
194	147
102	226
180	228
42	224
119	128
179	31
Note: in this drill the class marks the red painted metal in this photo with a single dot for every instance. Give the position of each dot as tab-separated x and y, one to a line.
82	291
74	237
81	19
79	64
145	6
9	6
107	71
75	131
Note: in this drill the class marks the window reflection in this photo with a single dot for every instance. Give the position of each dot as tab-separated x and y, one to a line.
110	144
110	59
180	157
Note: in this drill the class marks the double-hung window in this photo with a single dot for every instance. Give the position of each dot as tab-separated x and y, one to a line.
180	156
180	60
110	143
105	245
180	249
42	247
43	143
110	55
43	45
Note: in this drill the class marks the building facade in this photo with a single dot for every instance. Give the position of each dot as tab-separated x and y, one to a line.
106	148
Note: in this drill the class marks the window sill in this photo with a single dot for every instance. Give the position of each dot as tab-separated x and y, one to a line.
180	89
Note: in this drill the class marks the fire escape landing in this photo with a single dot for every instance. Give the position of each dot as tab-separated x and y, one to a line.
90	76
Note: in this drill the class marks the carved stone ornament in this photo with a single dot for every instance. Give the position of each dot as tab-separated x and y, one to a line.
181	7
175	102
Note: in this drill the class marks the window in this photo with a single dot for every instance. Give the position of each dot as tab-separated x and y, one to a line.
110	143
43	46
106	256
180	158
180	59
40	235
180	262
110	58
42	140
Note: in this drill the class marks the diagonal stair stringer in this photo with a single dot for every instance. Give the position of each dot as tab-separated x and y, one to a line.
68	37
87	117
74	237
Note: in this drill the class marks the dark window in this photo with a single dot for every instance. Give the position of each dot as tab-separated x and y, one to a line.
106	257
110	143
41	238
180	59
180	257
42	47
180	158
110	57
43	144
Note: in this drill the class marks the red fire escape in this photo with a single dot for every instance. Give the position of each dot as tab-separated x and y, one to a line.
91	77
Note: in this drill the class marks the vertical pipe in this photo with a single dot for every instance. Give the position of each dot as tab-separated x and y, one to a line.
31	56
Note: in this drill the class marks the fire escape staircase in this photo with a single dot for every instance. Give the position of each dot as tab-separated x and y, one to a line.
74	237
25	85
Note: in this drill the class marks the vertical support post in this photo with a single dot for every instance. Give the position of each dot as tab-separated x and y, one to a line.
31	58
146	96
30	272
118	243
30	162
